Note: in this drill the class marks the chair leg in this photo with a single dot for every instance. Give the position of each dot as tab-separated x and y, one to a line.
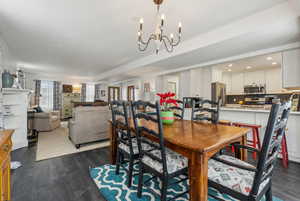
140	185
118	161
254	136
164	188
258	139
284	153
269	196
131	160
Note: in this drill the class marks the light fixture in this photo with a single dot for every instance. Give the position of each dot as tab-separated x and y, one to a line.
248	67
230	65
269	58
159	36
229	70
274	63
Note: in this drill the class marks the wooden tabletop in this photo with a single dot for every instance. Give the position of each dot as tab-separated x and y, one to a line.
196	141
196	136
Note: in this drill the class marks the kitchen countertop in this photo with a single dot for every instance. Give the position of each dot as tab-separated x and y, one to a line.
260	109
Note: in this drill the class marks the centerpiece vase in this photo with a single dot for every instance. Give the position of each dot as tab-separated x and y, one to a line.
167	117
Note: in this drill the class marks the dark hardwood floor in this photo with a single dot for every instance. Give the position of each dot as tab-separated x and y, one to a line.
67	178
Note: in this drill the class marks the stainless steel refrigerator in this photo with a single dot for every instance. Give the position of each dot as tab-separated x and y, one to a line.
218	90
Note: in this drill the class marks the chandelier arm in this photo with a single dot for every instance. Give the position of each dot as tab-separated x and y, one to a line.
142	41
167	48
152	36
172	43
178	41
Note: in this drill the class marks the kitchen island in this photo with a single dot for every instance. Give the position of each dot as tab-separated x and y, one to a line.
259	115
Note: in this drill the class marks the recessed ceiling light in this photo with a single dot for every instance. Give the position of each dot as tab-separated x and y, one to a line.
230	65
274	63
269	58
248	67
229	70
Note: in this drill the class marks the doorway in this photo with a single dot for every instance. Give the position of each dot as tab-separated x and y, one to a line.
130	93
114	94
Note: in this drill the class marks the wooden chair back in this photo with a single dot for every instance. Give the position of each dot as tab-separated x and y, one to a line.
274	133
149	124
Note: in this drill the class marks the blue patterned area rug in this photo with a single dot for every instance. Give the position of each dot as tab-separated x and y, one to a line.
114	187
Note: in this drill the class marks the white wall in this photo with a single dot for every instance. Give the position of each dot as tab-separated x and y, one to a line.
6	60
200	82
184	84
235	81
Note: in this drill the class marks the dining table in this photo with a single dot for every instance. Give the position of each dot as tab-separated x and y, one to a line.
198	142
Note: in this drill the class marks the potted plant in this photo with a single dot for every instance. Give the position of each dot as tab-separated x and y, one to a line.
166	101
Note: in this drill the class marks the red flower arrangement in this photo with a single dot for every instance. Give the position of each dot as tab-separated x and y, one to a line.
166	99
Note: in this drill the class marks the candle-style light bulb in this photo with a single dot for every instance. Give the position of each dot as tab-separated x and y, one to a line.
162	19
141	21
179	27
172	36
141	24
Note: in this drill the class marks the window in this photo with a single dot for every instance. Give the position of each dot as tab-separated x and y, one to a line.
90	93
46	99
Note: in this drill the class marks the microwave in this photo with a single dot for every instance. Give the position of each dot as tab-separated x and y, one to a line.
254	89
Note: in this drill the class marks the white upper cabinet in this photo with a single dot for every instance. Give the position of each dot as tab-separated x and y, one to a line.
291	69
237	83
256	77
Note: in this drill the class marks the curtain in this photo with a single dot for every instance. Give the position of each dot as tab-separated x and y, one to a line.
97	91
83	92
37	92
56	96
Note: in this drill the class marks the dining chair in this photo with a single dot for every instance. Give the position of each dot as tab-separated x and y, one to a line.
207	110
127	146
178	110
159	161
245	181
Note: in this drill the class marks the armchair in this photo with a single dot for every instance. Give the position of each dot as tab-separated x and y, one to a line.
46	121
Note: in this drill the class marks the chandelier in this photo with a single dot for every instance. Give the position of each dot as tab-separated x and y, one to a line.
159	36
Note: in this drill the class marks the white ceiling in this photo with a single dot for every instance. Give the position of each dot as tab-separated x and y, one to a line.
252	64
97	40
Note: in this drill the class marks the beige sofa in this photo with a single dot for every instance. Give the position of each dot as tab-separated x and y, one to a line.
46	121
89	124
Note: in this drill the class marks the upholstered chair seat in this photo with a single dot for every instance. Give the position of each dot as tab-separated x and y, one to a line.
235	178
175	161
135	147
234	160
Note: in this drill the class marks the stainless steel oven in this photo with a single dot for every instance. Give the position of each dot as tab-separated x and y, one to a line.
255	101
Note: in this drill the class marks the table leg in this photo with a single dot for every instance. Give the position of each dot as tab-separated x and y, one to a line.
198	177
113	144
244	152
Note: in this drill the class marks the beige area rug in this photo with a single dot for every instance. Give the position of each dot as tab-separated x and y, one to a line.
56	143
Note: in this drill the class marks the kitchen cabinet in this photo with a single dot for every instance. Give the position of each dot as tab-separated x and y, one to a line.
5	150
273	80
237	80
257	77
291	69
67	106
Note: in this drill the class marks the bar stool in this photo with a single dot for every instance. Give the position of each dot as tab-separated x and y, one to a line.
227	123
255	142
284	152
